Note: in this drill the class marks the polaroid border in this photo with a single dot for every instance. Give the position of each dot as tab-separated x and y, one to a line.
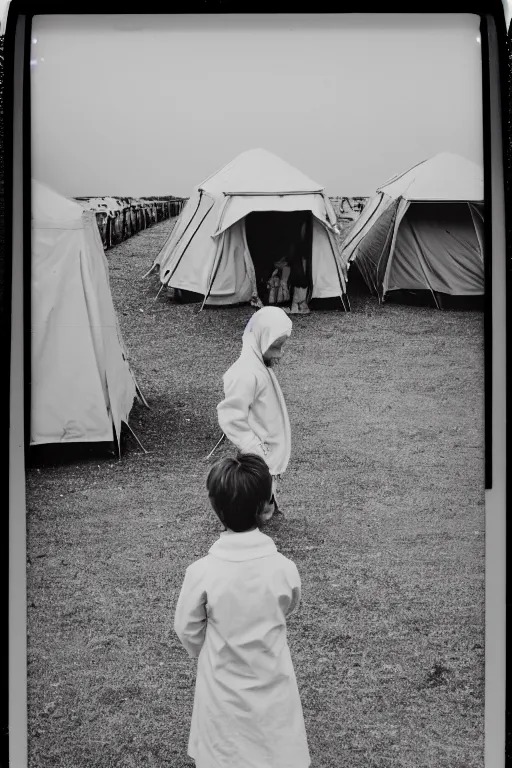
16	330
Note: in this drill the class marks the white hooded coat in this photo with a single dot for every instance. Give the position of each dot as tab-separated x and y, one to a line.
253	414
231	613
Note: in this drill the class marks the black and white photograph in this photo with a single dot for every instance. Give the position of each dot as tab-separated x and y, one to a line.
255	480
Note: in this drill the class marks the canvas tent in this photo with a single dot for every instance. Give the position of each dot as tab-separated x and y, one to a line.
423	230
82	387
241	214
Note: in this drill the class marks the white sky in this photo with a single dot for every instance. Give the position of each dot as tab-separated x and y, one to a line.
147	105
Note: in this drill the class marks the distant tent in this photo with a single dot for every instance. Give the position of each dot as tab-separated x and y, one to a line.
82	387
243	218
423	230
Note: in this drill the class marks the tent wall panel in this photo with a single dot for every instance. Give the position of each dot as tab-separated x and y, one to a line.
437	248
82	387
372	252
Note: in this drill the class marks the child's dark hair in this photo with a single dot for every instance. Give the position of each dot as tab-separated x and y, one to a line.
239	489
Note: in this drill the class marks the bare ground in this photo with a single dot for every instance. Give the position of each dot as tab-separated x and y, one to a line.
385	520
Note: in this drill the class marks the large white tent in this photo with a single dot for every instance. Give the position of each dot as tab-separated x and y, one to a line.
210	251
82	387
423	230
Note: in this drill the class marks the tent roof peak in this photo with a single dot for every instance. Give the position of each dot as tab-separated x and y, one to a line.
258	171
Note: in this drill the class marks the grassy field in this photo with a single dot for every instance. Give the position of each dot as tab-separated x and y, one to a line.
385	521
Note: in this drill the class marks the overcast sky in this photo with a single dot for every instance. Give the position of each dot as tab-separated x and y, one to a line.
147	105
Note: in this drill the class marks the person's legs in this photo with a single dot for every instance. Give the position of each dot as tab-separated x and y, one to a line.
257	302
272	506
299	303
273	287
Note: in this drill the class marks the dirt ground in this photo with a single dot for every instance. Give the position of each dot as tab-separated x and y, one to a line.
384	507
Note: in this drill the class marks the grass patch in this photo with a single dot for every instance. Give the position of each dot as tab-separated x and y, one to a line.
385	520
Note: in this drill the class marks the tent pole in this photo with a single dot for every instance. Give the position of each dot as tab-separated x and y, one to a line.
141	397
374	282
178	241
214	275
393	233
182	234
215	448
150	271
330	238
435	299
135	436
208	292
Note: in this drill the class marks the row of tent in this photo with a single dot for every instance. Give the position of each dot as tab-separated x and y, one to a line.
121	218
422	229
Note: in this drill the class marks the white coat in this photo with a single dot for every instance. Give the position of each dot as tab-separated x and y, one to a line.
231	613
253	414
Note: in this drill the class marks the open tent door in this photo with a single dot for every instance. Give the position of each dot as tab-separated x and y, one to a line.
270	237
260	208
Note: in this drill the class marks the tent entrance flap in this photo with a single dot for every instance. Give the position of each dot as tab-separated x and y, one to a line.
275	235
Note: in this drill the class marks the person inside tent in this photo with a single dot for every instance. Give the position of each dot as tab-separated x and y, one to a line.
266	268
278	285
253	414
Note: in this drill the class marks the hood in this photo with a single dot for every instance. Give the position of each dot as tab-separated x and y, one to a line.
264	327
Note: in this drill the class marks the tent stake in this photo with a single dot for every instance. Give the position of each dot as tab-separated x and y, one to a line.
215	448
160	291
135	436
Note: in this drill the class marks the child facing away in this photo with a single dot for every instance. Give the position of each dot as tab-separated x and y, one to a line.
253	414
231	615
